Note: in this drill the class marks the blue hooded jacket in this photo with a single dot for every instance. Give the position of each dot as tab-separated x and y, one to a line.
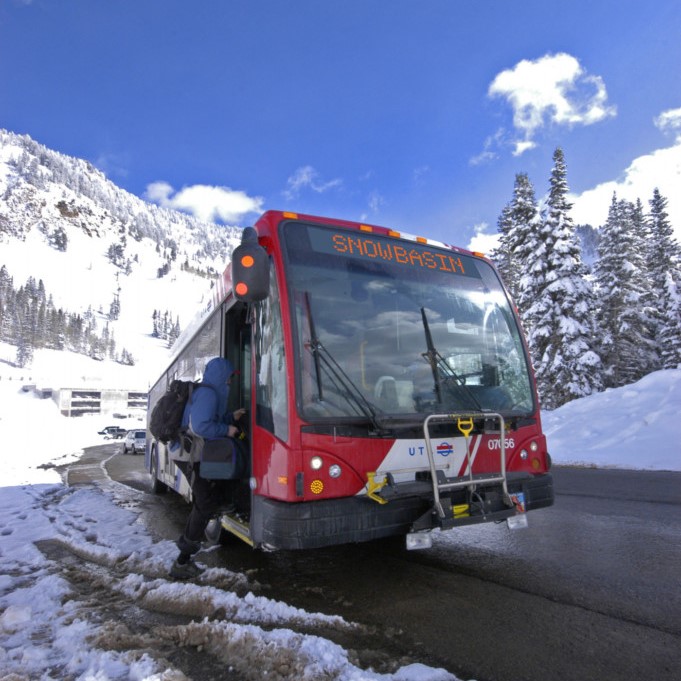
206	413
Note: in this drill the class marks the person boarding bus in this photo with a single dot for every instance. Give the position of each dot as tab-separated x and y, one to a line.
205	420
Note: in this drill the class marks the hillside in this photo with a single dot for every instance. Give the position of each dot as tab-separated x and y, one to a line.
92	244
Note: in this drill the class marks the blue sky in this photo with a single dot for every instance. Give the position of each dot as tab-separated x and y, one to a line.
411	114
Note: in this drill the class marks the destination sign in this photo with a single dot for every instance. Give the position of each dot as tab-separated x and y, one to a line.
384	249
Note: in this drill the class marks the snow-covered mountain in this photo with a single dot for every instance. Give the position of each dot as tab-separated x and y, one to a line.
94	245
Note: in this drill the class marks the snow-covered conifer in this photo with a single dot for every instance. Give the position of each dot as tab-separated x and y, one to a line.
518	220
664	266
502	256
557	302
624	320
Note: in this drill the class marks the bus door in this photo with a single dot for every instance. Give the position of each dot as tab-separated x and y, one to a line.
237	349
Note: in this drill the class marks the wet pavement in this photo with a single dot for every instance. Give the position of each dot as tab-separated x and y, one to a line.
590	590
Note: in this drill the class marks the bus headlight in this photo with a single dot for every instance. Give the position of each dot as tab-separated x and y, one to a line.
316	463
335	470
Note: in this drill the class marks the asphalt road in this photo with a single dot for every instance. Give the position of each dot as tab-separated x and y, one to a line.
591	590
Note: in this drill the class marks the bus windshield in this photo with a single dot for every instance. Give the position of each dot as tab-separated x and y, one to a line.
384	326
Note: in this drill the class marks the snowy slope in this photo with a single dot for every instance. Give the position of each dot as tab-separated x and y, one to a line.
45	193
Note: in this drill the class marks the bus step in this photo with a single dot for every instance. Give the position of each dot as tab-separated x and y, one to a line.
238	527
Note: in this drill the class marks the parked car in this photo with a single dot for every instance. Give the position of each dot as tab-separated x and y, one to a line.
113	432
135	442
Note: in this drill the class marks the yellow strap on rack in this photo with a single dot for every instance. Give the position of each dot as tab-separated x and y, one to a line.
465	425
373	487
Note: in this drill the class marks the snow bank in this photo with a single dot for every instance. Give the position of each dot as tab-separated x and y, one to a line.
637	426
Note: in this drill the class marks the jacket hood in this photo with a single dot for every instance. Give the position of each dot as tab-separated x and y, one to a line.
216	373
206	412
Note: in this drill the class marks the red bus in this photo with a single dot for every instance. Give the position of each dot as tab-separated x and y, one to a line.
387	384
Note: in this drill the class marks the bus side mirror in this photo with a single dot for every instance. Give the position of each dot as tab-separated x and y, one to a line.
250	269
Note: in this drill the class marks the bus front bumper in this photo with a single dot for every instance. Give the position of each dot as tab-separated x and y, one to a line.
306	525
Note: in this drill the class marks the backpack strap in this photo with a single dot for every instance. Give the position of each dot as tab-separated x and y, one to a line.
193	385
186	435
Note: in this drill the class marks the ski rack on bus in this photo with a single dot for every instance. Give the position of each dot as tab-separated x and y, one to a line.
465	423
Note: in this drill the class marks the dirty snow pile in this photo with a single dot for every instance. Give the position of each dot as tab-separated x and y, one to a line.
70	554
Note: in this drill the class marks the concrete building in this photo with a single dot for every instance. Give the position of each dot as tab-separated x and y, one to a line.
80	401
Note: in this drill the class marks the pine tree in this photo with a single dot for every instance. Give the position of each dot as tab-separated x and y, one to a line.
24	354
518	220
115	308
664	267
624	319
650	361
111	347
21	329
58	238
116	254
557	301
174	332
7	302
127	358
502	254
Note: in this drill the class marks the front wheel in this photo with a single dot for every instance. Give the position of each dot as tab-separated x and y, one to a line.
157	487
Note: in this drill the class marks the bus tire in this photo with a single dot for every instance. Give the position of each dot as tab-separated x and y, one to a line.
157	487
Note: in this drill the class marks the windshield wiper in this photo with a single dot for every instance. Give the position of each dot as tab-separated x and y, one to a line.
315	348
440	367
342	383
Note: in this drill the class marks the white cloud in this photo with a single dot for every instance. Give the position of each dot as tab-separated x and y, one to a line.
482	242
488	152
159	192
113	165
306	177
375	201
669	121
552	89
522	146
205	202
661	168
419	175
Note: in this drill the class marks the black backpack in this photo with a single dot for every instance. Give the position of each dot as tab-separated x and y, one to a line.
166	416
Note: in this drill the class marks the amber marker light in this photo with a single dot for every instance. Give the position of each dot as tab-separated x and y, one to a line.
247	261
316	487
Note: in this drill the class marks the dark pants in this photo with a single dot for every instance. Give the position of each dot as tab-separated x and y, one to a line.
208	497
